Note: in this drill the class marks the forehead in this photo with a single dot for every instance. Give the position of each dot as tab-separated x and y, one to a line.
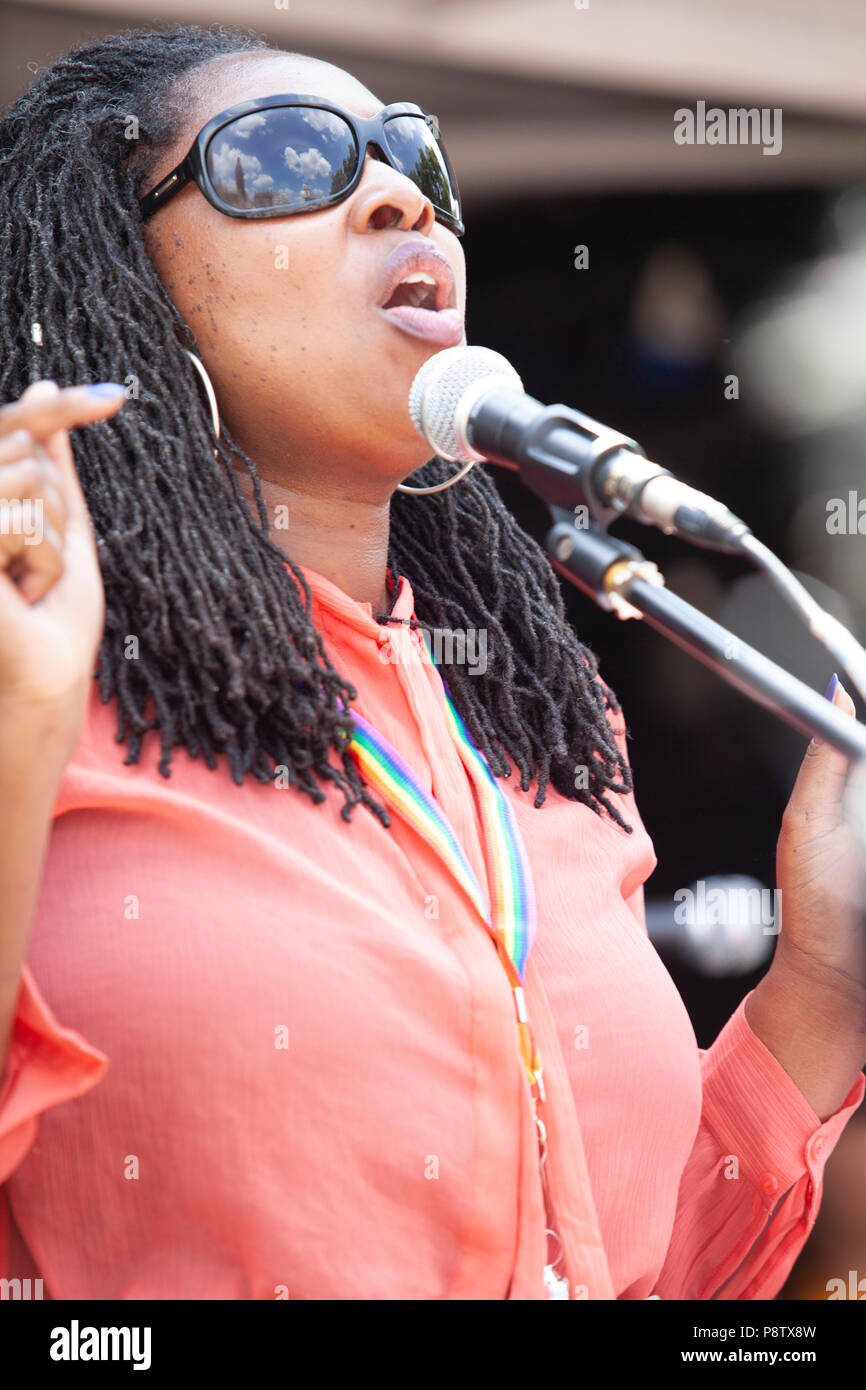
236	78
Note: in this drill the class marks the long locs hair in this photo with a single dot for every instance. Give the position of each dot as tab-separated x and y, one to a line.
229	662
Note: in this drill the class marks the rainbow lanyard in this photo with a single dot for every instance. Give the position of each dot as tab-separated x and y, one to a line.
511	916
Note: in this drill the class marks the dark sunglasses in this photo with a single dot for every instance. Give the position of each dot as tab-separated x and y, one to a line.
290	154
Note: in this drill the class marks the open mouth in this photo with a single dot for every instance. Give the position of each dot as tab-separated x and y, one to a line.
418	290
418	294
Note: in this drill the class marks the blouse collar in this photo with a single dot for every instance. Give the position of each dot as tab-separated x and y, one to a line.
328	598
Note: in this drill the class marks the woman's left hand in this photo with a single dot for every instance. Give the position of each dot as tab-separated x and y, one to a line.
810	1008
821	874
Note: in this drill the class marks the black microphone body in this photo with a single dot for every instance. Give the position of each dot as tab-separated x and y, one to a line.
568	460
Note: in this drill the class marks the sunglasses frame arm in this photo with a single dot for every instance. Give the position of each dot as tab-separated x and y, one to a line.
173	182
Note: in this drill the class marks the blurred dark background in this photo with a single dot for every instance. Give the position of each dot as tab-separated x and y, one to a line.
711	770
559	120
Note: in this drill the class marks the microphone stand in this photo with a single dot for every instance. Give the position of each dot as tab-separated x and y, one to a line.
621	580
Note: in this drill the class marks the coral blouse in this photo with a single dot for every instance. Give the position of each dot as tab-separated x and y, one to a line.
272	1054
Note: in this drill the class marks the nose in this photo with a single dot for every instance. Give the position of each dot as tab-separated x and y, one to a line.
386	198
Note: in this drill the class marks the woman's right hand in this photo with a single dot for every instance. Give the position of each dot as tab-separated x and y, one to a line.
52	605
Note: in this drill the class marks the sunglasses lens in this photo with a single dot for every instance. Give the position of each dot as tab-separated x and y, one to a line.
416	153
282	157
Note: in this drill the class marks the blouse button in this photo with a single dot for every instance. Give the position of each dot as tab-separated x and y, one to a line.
819	1143
770	1184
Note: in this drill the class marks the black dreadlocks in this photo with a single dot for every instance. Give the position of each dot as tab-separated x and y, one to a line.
228	660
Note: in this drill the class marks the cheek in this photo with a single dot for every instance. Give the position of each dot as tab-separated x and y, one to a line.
453	249
190	267
261	289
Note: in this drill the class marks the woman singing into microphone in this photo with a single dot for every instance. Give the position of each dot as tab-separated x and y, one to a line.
323	965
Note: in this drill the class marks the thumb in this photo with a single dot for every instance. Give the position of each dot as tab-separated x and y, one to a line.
820	784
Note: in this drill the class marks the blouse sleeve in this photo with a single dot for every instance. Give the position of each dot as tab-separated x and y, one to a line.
46	1064
752	1186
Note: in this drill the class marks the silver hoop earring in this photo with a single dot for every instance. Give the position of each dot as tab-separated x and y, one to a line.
440	487
209	391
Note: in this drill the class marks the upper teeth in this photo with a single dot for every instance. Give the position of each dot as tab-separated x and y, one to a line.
418	276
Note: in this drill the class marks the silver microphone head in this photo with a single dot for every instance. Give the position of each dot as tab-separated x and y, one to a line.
446	388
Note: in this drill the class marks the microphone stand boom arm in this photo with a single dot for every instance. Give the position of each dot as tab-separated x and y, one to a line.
620	579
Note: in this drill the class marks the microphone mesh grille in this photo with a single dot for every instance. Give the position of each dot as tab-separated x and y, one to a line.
439	387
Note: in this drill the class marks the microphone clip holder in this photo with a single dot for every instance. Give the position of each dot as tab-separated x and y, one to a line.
561	451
